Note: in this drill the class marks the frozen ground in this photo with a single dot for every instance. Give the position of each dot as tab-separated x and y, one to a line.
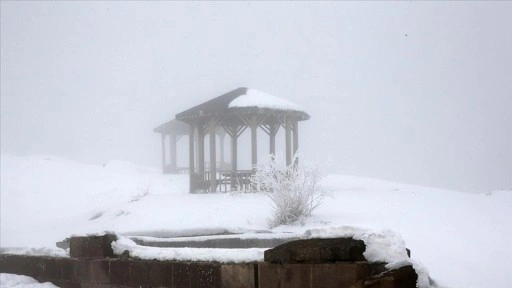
463	239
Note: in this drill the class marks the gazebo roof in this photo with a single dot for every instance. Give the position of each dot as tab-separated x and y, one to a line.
172	127
244	101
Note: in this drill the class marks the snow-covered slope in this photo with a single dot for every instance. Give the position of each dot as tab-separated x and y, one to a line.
463	239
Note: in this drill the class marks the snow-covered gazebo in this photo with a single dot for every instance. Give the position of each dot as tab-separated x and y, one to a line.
232	113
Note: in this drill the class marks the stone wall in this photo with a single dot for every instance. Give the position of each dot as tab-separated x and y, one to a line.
298	264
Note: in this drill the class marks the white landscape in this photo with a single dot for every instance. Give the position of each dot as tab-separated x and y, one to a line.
462	239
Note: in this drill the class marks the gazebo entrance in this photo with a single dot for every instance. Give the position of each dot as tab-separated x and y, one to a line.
231	114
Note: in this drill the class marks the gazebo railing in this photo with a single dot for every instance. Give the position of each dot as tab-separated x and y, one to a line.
226	181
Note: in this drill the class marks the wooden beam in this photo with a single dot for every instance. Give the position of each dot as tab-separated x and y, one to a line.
172	152
296	141
163	153
200	145
221	148
191	170
254	146
288	140
233	132
213	157
272	132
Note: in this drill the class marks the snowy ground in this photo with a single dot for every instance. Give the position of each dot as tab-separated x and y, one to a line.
21	281
463	239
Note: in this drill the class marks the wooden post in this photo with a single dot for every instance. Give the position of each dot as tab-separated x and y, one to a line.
288	140
213	157
296	141
163	153
273	128
221	148
234	155
254	145
172	153
200	145
191	170
196	145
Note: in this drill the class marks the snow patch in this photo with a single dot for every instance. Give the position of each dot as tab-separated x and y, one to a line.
21	281
39	251
187	254
255	98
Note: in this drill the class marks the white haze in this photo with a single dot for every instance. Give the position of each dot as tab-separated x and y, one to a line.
412	92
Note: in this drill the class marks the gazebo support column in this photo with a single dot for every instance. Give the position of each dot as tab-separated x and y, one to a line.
191	157
288	140
200	145
254	146
221	148
271	130
253	121
163	152
172	153
213	155
296	141
234	131
234	161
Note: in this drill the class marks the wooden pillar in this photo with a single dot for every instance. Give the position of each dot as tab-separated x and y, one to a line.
272	128
191	149
213	157
172	153
288	140
254	145
163	153
221	148
296	141
200	146
196	145
234	160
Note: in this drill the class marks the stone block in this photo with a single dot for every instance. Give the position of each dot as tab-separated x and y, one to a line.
342	274
12	264
139	273
91	246
119	271
317	251
50	269
81	271
66	268
238	275
404	277
284	275
99	271
205	275
160	273
35	266
181	275
66	284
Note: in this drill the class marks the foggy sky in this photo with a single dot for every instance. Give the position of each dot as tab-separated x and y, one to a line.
408	91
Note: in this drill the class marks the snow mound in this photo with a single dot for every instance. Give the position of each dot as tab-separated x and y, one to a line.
255	98
187	254
40	251
21	281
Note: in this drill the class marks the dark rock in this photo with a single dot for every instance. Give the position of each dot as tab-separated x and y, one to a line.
317	251
404	277
92	246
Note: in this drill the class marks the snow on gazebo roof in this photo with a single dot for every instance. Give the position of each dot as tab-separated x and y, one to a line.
245	101
255	98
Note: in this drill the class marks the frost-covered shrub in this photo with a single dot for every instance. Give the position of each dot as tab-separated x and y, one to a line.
293	190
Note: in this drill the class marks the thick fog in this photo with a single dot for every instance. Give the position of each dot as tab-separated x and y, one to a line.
412	92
